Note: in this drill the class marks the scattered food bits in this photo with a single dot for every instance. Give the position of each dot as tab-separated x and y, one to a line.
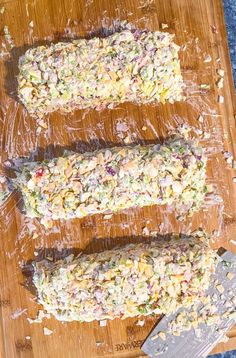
220	83
2	10
144	128
31	24
28	337
99	343
207	59
164	26
233	242
220	72
220	288
36	253
103	323
234	180
46	331
221	99
230	276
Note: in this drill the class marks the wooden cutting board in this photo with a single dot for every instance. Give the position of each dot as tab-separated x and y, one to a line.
200	31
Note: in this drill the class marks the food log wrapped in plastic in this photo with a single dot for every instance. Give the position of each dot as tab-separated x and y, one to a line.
109	180
139	279
132	65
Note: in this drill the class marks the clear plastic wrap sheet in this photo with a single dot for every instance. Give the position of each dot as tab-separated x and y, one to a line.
31	23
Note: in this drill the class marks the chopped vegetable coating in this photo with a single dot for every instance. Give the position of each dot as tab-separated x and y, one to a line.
132	65
110	180
139	279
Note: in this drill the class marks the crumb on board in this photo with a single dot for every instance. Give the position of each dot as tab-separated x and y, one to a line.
46	331
234	180
205	86
220	72
141	322
221	99
103	323
214	29
144	128
145	231
18	312
200	119
2	10
99	343
127	139
164	26
232	242
220	83
28	338
40	316
207	58
31	24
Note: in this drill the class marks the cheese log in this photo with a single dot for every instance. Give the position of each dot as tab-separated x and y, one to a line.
109	180
139	279
132	65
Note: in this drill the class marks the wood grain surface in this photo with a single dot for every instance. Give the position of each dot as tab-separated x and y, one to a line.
200	31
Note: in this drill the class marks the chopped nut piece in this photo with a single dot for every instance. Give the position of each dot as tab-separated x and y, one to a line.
154	337
230	276
220	288
200	119
162	335
144	128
